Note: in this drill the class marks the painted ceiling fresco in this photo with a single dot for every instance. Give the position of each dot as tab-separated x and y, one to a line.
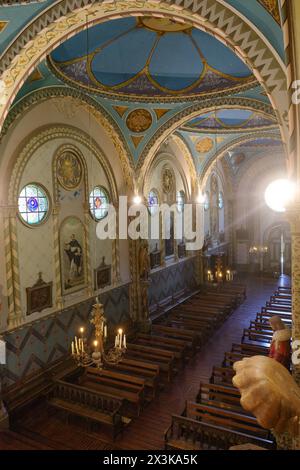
146	71
232	120
150	57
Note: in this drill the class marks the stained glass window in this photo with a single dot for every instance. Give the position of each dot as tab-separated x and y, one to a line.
99	202
180	201
33	204
221	200
206	201
153	201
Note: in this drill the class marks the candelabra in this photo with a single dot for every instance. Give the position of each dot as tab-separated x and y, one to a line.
81	353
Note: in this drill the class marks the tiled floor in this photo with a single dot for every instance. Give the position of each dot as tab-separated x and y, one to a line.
147	432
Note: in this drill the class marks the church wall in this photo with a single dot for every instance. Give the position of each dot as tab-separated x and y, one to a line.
35	245
36	346
172	279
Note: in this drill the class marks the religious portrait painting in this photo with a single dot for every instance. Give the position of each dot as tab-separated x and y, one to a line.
167	180
72	253
69	170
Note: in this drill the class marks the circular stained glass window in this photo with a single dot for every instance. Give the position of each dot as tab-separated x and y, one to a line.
221	200
33	204
180	201
99	202
206	201
153	201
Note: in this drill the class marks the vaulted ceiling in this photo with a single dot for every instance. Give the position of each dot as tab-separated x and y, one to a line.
156	70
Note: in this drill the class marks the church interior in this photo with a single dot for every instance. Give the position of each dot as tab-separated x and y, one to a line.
113	108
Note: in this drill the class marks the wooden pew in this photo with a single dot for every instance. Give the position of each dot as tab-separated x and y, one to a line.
177	346
222	375
187	335
278	307
220	395
250	349
93	406
231	357
229	419
143	370
207	320
123	386
190	434
164	359
264	317
257	336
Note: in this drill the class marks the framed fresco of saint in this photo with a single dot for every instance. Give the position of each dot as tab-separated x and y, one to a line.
72	255
69	170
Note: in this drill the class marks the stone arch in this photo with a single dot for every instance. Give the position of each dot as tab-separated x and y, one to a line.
91	105
68	17
230	146
40	137
192	112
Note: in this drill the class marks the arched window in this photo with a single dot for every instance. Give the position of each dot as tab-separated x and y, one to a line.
153	201
206	201
33	204
221	200
180	201
99	201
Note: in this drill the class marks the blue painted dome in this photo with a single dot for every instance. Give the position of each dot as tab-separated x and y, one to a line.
232	119
150	57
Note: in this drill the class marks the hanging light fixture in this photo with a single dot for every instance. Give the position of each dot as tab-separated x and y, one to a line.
95	354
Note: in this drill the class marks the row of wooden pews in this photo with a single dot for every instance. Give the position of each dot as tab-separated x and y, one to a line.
113	396
216	420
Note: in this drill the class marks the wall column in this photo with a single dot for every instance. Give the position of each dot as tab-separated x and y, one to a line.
15	317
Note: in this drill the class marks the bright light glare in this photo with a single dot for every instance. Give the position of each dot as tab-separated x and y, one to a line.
279	194
201	198
137	200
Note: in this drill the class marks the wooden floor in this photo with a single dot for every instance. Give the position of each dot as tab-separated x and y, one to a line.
147	432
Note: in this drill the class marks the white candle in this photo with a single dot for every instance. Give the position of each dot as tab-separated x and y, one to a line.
116	341
76	345
120	338
124	345
72	346
105	331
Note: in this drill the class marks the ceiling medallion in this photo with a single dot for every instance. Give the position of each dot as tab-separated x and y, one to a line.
204	145
139	120
164	25
167	180
69	170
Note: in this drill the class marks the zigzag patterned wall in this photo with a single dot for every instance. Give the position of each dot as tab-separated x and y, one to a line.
35	347
171	280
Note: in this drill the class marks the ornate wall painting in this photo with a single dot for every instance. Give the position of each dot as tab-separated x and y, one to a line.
39	296
69	170
204	145
139	120
72	255
167	180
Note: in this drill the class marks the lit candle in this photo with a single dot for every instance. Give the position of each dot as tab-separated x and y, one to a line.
120	337
76	345
96	345
124	344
